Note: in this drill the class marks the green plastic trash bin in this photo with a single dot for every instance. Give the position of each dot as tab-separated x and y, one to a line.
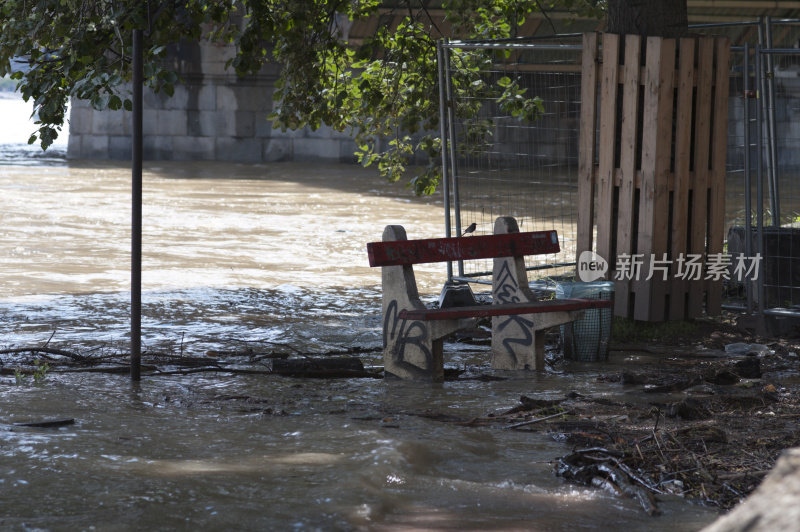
587	339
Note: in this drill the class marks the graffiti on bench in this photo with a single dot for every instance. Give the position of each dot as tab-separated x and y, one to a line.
410	333
506	291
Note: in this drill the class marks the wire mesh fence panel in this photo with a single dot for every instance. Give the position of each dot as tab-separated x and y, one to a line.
781	139
739	118
764	192
512	161
741	167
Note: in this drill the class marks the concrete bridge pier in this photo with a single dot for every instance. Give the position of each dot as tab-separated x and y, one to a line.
213	115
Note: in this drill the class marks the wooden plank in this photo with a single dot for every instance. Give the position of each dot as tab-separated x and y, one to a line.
509	309
717	174
627	167
586	145
650	143
680	182
427	250
637	178
658	307
654	194
702	133
609	88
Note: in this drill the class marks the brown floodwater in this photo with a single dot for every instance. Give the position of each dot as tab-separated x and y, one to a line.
261	254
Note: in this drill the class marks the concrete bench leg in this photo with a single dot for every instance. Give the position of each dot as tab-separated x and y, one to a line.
409	351
518	341
412	349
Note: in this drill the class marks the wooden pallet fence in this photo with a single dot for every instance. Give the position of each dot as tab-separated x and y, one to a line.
651	184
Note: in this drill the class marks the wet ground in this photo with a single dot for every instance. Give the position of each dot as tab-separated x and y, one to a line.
226	448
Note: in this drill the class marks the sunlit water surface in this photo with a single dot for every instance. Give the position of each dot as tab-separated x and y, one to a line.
262	254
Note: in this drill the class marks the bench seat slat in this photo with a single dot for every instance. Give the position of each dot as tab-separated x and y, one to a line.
395	253
483	311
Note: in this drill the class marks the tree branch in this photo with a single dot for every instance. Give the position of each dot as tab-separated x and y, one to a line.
546	16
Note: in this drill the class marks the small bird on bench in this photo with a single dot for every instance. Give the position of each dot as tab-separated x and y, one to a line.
470	229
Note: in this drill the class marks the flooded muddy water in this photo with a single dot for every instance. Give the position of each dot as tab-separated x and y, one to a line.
252	252
264	254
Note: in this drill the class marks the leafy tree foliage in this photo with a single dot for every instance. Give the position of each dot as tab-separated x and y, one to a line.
383	90
82	48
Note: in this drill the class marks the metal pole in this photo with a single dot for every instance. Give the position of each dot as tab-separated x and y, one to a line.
748	222
763	96
443	146
759	188
451	134
136	211
725	24
772	131
503	45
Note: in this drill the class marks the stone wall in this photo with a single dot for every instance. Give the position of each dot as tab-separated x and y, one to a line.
213	115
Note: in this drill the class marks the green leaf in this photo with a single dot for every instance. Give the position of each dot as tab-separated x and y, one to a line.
100	101
114	103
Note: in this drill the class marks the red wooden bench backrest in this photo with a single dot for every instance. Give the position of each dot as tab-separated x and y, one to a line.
400	252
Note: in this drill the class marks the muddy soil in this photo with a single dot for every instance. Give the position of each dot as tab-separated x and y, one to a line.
716	424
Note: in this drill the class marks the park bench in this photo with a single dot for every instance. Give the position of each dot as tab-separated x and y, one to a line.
413	334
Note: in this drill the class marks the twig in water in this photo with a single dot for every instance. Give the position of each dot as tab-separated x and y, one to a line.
212	369
737	476
658	446
656	412
279	344
45	350
537	420
640	452
51	337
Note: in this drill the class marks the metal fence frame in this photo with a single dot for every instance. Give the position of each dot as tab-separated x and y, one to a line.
767	167
762	167
449	135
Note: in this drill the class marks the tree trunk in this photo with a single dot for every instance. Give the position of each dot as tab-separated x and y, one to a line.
653	18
